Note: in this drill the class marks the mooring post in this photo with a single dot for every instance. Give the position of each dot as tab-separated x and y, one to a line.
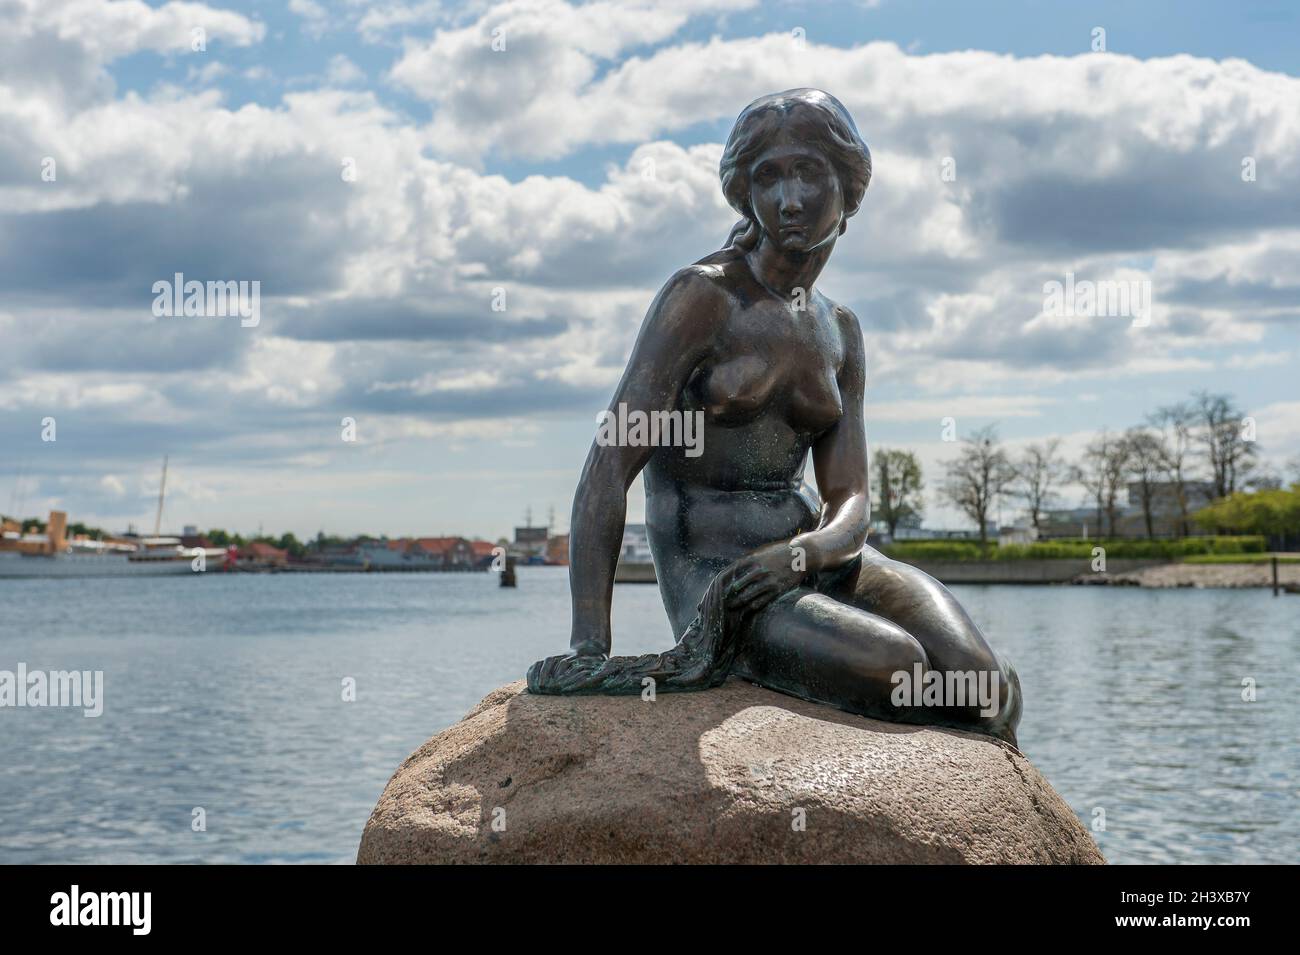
1275	575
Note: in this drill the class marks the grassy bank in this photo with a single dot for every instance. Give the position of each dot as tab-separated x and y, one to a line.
1227	549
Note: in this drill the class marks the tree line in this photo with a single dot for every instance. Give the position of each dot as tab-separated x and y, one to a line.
1206	438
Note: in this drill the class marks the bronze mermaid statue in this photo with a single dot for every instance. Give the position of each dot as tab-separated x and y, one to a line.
763	577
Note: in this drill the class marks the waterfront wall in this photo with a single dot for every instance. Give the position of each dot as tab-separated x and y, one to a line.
1024	571
1032	571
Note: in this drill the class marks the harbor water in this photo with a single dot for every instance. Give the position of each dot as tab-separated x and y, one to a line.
256	717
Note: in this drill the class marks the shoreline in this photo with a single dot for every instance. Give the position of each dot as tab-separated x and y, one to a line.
1202	576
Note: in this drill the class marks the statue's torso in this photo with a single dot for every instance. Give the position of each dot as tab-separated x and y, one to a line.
767	390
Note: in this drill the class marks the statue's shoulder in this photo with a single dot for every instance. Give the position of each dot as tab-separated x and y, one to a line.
702	279
847	318
850	328
696	288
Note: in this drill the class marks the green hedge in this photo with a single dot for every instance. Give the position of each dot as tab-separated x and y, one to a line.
1074	548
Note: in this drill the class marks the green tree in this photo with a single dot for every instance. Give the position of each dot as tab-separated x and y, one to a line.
897	486
288	542
1275	513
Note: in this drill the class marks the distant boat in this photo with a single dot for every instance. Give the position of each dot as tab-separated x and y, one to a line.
84	562
628	572
635	563
52	555
49	555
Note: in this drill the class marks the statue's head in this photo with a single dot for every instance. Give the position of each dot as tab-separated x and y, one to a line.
796	168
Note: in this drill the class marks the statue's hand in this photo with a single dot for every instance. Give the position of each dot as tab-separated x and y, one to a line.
564	673
760	577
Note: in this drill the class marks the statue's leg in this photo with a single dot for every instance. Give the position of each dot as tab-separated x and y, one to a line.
845	643
928	611
816	647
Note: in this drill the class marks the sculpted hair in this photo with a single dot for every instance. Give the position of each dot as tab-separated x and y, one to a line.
833	131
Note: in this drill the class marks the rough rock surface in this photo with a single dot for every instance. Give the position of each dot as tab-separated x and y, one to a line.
718	776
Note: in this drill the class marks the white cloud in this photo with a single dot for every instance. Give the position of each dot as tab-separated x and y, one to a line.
377	290
343	72
487	77
316	19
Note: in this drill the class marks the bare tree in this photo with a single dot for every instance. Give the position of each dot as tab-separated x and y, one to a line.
978	476
1144	457
1263	477
1091	473
1177	423
1230	457
897	485
1292	470
1114	469
1039	472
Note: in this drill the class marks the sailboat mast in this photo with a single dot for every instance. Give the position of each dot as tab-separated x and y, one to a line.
162	489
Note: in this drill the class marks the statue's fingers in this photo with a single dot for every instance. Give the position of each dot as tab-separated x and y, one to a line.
579	672
740	572
758	573
747	594
762	599
551	668
541	675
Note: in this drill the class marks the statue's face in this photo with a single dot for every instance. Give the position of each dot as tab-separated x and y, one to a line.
795	194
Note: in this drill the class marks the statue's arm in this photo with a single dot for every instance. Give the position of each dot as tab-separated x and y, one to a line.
675	336
840	463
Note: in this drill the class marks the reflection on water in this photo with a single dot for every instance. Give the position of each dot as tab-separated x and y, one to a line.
226	694
1134	707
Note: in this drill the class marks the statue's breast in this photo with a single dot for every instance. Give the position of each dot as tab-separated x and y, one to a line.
815	403
736	390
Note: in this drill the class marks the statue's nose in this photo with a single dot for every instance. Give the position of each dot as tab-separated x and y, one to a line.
791	205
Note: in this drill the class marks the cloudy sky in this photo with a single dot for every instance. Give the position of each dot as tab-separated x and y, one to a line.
381	169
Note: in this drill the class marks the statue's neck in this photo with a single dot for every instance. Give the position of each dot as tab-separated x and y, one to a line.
783	272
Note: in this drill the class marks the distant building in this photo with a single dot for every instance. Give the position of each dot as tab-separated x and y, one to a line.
1130	520
908	528
930	533
485	553
1068	522
1019	533
636	545
635	562
451	553
398	554
344	555
557	550
530	542
262	554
